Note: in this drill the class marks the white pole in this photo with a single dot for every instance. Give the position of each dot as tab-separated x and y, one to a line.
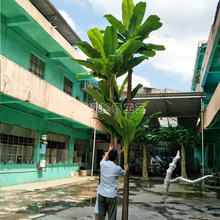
93	152
202	124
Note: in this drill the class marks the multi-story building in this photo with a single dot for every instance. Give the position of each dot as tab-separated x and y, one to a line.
206	79
44	111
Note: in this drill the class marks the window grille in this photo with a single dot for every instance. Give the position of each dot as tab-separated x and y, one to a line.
16	149
68	85
56	152
81	151
36	66
57	145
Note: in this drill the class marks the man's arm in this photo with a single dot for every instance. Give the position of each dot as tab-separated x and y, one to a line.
126	168
106	155
120	152
122	172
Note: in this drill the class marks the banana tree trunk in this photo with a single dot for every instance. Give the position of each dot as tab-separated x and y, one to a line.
183	161
127	156
111	96
145	172
115	141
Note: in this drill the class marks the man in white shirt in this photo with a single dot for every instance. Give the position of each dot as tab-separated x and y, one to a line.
107	190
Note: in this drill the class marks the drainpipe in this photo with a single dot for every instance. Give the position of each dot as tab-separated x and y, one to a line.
202	124
93	152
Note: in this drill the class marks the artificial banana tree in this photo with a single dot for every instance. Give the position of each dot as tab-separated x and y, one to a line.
133	27
120	48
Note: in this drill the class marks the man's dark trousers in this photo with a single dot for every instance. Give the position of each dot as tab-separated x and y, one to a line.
107	205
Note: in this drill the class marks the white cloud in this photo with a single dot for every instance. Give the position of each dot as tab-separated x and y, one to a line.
135	80
68	19
107	7
178	58
81	3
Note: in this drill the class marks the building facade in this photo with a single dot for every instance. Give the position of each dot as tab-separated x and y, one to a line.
45	117
206	78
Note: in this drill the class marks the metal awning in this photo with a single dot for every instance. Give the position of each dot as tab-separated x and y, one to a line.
186	107
55	18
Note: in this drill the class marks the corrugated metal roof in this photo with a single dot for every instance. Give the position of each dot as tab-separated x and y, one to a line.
186	107
55	18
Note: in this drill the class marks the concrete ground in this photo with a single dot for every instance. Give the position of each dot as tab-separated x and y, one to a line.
74	198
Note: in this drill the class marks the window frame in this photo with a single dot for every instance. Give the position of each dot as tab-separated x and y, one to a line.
36	66
67	86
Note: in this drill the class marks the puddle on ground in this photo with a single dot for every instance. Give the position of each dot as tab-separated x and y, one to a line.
28	204
184	191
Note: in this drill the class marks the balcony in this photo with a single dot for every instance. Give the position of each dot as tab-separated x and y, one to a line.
213	108
29	93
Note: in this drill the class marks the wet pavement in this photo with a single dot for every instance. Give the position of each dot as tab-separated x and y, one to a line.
71	199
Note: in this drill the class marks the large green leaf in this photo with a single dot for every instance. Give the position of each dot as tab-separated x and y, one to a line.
141	127
116	93
122	86
104	88
99	75
127	126
153	47
146	52
125	45
137	17
135	90
84	74
117	24
100	65
98	97
88	49
137	115
117	114
85	63
111	121
97	40
90	74
127	12
151	24
110	129
110	41
132	48
129	65
147	119
128	130
115	61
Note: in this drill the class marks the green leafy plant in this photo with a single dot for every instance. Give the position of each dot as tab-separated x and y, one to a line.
145	135
123	126
181	136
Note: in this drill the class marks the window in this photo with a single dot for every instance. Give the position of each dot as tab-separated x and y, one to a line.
81	153
16	149
84	96
68	85
56	152
36	66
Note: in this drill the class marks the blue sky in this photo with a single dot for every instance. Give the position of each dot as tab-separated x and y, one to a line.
185	23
